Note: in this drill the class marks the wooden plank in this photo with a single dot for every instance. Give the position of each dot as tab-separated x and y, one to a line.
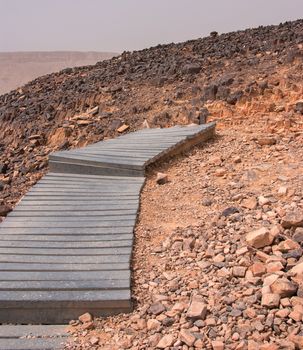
64	251
63	220
61	314
24	207
55	343
73	215
71	176
62	267
17	331
64	259
63	182
75	245
104	161
64	285
79	191
140	150
83	231
111	186
116	154
70	201
98	214
64	276
67	224
105	191
89	169
66	238
130	149
79	197
105	298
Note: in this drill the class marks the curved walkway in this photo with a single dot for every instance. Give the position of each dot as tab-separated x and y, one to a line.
66	247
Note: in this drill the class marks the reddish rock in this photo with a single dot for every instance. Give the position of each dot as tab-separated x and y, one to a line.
297	340
297	270
161	178
153	324
217	345
187	337
258	269
266	141
197	309
274	266
156	309
296	316
59	137
250	203
293	219
94	340
288	245
270	300
239	271
87	317
259	238
284	288
166	341
123	128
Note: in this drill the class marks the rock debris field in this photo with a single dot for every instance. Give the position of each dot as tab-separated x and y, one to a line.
218	252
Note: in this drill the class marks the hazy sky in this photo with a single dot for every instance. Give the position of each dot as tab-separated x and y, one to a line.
117	25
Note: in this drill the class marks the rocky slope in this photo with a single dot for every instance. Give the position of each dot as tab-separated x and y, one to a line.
18	68
218	250
164	85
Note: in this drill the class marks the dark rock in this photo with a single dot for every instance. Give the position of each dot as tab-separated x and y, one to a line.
225	81
230	211
203	114
234	98
156	309
263	85
168	321
4	210
297	253
1	185
191	68
3	168
235	313
162	178
223	93
299	107
298	235
161	119
210	93
115	124
115	89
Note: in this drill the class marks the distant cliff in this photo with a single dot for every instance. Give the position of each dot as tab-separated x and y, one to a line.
18	68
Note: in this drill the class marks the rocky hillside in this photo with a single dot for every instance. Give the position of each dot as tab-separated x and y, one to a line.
237	78
218	258
18	68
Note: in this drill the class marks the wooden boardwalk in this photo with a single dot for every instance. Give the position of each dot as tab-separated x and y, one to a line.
26	337
66	248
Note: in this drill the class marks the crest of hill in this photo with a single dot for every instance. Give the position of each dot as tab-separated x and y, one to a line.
18	68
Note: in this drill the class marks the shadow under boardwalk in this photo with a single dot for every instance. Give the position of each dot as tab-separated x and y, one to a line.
66	248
